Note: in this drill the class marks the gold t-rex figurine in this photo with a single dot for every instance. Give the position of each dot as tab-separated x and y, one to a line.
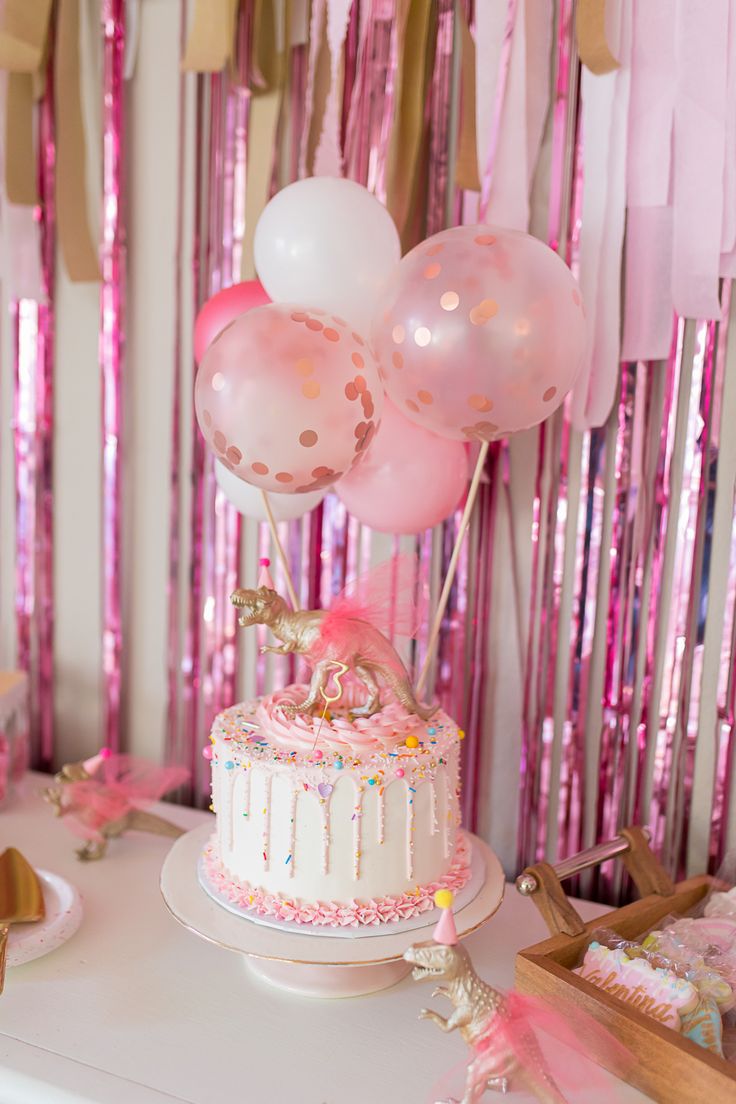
497	1065
350	643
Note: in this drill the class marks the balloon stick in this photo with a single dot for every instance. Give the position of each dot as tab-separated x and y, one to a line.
280	550
452	566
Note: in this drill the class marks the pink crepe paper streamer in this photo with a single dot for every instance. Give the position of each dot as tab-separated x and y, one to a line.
507	182
605	112
121	783
328	155
701	45
111	354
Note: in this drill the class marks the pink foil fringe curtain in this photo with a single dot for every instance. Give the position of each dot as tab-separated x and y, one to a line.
33	427
111	351
626	604
629	657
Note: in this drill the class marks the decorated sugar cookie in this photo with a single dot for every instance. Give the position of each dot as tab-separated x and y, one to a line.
657	993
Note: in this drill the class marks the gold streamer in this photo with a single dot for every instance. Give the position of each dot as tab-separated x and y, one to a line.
466	158
590	30
211	39
24	26
416	58
20	155
268	74
78	249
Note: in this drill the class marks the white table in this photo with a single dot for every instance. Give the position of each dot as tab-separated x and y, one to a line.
133	1009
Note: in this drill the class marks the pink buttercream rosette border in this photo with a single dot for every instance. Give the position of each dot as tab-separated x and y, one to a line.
335	914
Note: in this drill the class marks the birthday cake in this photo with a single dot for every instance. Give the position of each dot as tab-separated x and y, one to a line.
334	819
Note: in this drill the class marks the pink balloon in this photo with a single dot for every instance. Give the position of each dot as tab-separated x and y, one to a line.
408	480
219	311
288	398
480	333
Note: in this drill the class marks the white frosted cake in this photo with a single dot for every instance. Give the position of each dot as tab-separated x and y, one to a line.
341	821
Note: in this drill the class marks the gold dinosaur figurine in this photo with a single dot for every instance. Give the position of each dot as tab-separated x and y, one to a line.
479	1014
351	643
136	819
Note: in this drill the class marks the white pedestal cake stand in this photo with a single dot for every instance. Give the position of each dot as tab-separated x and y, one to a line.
306	962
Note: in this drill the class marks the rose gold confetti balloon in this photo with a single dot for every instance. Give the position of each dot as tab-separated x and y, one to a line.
480	333
288	398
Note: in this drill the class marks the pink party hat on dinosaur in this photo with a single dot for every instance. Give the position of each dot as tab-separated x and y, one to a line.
445	930
91	764
264	575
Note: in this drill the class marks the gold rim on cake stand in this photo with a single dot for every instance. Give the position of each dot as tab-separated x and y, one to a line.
307	962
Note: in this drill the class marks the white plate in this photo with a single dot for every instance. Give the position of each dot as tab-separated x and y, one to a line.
63	917
462	897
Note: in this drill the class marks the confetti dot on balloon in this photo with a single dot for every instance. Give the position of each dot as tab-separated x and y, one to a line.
331	335
432	271
358	339
411	405
398	360
339	321
360	384
398	333
443	898
314	324
358	360
449	301
484	239
219	441
360	429
483	311
320	472
308	438
422	336
435	249
304	366
351	391
310	389
284	477
259	468
298	316
218	381
207	417
234	455
368	407
425	397
549	394
411	741
576	297
480	402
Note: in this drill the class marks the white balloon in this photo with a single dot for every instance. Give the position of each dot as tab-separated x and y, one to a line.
248	499
328	243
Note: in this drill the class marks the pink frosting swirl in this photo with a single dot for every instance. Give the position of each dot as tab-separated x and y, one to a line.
383	731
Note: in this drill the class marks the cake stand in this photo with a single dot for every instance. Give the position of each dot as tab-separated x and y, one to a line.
306	962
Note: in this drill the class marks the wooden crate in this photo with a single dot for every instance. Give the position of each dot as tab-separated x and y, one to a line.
668	1067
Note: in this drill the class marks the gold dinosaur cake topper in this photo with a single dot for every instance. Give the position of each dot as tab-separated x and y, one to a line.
333	642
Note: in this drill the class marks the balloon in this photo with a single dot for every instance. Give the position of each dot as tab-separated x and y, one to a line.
248	500
329	242
288	398
219	311
408	480
480	332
